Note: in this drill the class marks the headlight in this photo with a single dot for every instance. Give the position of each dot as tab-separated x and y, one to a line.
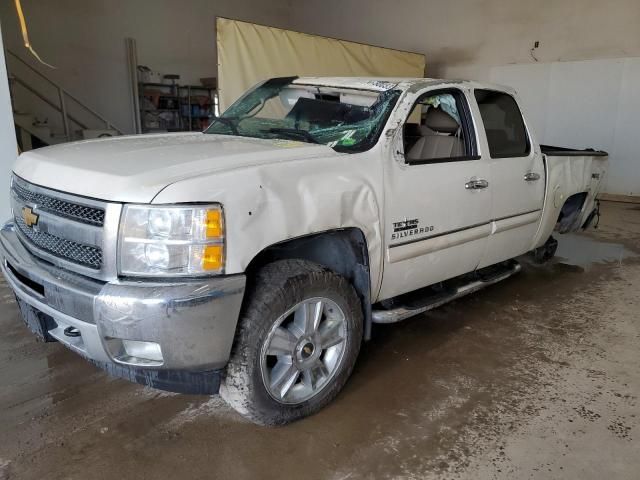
182	240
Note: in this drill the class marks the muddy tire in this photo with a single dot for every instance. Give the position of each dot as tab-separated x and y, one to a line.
546	252
297	341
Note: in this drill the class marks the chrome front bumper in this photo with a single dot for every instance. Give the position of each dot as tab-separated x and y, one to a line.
192	320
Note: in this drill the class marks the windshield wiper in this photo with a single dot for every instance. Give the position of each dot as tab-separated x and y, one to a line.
294	132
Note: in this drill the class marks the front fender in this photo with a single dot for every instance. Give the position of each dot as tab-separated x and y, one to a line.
272	203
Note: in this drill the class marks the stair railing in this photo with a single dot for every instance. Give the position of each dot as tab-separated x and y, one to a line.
61	105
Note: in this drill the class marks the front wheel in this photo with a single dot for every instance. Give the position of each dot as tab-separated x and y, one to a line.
298	339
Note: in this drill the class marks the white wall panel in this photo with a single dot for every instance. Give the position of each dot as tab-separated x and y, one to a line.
582	104
532	84
624	172
586	104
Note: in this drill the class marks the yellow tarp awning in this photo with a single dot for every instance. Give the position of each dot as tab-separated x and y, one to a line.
250	53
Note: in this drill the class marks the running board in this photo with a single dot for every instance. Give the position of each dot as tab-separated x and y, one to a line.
403	312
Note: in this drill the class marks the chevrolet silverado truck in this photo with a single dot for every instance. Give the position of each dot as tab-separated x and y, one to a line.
252	259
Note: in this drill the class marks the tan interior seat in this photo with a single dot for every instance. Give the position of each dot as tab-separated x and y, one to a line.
440	137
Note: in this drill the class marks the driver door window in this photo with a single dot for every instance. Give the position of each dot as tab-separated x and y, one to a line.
438	129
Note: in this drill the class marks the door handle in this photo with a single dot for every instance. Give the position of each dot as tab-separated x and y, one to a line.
531	177
476	184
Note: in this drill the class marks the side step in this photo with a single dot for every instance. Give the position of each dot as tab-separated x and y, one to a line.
476	282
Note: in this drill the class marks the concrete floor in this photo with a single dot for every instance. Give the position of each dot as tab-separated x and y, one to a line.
537	377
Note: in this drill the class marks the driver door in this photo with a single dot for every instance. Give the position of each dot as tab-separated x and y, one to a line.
438	194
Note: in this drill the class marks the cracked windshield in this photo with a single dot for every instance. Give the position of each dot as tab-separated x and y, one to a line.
347	120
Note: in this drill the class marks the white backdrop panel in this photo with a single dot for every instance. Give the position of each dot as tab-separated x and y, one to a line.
585	104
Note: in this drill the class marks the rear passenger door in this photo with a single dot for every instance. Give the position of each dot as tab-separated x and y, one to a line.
517	174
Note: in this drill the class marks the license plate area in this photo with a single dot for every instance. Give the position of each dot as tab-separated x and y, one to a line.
39	323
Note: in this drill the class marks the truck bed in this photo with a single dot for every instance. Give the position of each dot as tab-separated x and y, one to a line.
569	172
571	152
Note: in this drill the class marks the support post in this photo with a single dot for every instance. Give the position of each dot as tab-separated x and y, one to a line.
132	61
8	145
63	112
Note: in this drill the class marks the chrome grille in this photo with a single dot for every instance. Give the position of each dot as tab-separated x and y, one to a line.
74	211
73	232
86	255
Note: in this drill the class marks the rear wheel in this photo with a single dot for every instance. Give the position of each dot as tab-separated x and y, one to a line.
297	342
546	252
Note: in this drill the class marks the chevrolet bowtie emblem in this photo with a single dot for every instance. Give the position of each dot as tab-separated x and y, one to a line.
30	218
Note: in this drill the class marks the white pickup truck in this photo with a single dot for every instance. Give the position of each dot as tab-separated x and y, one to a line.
252	259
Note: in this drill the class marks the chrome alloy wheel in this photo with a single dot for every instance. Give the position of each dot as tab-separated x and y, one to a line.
303	350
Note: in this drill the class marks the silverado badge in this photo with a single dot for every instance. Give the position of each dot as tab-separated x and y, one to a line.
30	218
409	227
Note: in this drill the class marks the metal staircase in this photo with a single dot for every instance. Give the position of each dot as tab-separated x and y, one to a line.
77	120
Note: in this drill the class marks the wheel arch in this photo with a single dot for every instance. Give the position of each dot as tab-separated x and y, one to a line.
571	212
343	251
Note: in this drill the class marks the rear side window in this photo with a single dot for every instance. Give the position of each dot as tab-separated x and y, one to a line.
503	123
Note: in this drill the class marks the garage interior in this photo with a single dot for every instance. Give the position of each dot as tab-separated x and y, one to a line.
535	377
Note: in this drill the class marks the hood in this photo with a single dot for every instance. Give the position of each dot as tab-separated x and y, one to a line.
136	168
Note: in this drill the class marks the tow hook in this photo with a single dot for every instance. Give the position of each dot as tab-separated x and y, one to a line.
71	332
595	213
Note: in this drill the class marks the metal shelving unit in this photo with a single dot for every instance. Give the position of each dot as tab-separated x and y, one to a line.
159	107
197	106
174	108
